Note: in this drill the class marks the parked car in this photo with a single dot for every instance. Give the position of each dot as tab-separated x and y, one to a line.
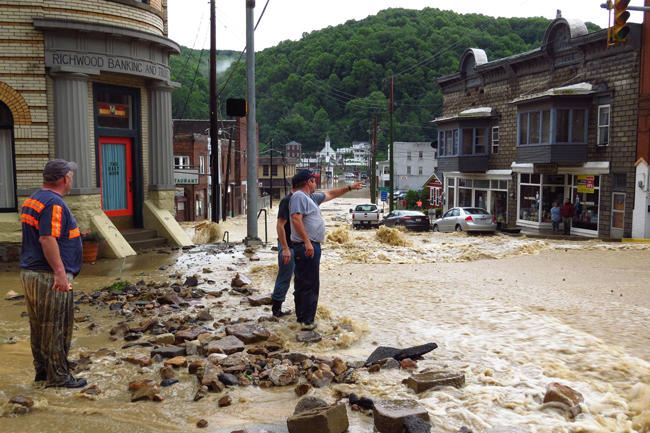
365	215
469	219
411	219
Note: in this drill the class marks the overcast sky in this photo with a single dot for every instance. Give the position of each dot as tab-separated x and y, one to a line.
289	19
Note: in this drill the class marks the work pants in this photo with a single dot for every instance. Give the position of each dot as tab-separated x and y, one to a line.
306	282
283	280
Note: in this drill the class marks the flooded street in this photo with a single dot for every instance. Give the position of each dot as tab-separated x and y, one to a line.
511	313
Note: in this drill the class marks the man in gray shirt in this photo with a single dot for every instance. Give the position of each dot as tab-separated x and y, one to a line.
307	233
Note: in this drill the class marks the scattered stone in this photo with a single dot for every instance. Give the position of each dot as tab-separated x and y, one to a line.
389	414
92	390
205	316
259	300
202	392
320	378
138	359
116	306
225	401
195	366
227	345
338	366
391	363
22	401
168	382
254	258
248	333
177	362
383	352
241	280
147	391
308	403
137	344
294	357
283	375
167	372
13	296
420	382
564	397
191	282
374	368
363	402
229	379
329	419
302	389
166	338
211	378
132	336
202	423
189	334
415	424
308	337
168	351
408	364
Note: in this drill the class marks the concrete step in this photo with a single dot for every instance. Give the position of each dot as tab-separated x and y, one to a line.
133	235
142	244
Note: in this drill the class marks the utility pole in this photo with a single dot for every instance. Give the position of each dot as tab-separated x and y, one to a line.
251	128
271	175
391	204
284	171
373	164
214	127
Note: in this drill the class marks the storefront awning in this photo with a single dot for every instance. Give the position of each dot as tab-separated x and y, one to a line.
591	167
523	167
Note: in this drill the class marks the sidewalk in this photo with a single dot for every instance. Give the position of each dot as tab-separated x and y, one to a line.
550	234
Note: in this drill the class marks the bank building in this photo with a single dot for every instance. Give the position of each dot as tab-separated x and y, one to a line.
89	82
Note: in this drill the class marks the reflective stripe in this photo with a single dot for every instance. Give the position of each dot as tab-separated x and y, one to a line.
28	219
34	204
57	212
74	233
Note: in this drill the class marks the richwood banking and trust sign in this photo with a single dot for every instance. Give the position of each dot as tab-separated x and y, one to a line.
93	63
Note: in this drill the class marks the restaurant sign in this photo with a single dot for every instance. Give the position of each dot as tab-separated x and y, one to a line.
186	176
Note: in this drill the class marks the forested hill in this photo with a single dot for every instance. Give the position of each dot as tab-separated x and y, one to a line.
333	81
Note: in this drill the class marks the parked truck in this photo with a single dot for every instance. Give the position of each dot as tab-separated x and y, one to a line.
365	215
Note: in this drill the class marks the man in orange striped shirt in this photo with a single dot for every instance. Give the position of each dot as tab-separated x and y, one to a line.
50	258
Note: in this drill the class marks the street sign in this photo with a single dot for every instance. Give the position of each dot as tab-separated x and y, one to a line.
383	188
384	195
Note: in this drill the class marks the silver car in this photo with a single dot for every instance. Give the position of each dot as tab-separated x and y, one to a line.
469	219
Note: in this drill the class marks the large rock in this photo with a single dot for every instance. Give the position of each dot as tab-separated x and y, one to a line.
211	378
176	362
420	382
189	334
249	333
308	403
415	424
383	352
283	375
167	338
308	337
145	390
320	378
260	300
563	397
330	419
241	280
22	400
389	414
168	351
227	345
138	359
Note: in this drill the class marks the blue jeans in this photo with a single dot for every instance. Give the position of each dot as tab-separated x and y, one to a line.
307	283
283	280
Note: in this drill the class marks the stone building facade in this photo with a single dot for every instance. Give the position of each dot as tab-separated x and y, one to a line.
89	82
553	124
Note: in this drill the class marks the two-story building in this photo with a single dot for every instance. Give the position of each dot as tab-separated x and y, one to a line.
556	123
274	174
293	149
89	82
414	162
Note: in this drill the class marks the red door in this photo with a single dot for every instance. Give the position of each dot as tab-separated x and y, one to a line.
116	176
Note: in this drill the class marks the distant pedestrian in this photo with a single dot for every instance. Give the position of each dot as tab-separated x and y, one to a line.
286	263
307	233
567	211
50	258
556	216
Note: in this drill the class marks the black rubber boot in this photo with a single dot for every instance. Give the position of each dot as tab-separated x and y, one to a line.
276	309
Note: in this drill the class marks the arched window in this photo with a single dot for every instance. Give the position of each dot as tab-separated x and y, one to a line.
7	177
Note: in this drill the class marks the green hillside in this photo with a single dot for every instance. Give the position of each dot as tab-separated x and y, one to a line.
333	81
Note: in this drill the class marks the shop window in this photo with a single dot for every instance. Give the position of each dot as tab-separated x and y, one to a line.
585	196
265	170
464	197
451	181
451	195
482	183
618	210
499	205
480	198
529	202
113	109
495	139
603	125
552	192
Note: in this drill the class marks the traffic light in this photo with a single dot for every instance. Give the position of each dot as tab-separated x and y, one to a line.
236	107
620	29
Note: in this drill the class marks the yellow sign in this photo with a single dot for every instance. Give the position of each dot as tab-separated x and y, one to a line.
586	184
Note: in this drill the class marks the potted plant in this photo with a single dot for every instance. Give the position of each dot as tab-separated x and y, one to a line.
90	244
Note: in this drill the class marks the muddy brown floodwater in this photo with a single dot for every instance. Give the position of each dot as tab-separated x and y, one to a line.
511	313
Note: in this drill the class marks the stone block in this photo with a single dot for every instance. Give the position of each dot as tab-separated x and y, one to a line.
329	419
420	382
249	333
389	414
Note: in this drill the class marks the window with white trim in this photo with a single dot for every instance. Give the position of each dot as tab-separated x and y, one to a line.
419	170
603	125
408	169
495	139
181	161
201	164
